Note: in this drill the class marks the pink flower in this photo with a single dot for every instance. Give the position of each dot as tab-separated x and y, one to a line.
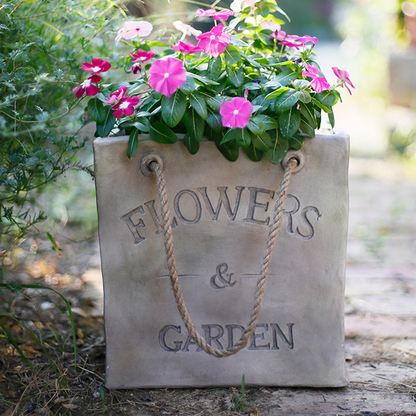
126	106
214	42
205	13
186	48
116	96
166	76
130	30
142	56
270	24
97	66
343	77
318	83
236	113
295	41
278	35
220	15
87	87
223	15
306	38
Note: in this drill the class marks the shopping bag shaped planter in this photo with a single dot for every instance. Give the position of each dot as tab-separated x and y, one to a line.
221	214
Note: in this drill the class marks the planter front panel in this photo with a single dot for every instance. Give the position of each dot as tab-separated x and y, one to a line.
221	210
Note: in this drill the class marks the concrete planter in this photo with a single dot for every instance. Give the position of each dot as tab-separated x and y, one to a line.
221	211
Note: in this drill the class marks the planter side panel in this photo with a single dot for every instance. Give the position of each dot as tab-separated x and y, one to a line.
221	211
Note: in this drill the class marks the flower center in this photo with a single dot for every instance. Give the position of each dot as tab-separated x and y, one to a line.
235	112
96	69
167	75
86	83
212	37
124	105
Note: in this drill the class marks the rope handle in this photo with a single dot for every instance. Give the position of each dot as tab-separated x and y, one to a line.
155	165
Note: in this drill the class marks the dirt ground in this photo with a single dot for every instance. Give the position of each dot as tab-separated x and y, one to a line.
380	321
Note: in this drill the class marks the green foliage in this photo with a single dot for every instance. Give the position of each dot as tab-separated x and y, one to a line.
240	399
252	64
43	44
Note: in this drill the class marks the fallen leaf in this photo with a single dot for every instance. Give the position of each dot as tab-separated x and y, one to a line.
38	324
80	334
70	406
10	394
8	412
2	378
255	413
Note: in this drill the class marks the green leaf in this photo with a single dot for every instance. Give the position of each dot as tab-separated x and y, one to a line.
198	103
230	151
307	115
327	98
243	137
276	93
280	147
215	67
54	243
262	142
282	79
261	100
96	110
256	125
133	143
286	101
161	133
321	106
232	55
229	136
143	124
289	123
236	75
203	80
214	121
265	38
306	128
104	128
190	144
173	108
305	97
195	125
216	102
253	153
331	118
189	85
296	141
269	122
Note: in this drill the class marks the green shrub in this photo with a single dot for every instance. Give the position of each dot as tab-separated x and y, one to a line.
43	43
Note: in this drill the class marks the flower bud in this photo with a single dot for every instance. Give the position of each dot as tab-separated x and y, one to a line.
136	68
246	93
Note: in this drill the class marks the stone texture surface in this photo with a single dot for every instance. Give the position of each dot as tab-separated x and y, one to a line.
299	340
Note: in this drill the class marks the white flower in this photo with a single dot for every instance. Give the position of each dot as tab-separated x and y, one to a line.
270	24
132	29
187	29
239	5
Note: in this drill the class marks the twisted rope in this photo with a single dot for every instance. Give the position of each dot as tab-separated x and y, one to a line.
261	282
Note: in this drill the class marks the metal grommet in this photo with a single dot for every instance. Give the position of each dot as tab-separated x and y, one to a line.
147	159
299	156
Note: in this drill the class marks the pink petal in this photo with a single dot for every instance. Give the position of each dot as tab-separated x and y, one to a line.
223	15
92	90
129	110
118	113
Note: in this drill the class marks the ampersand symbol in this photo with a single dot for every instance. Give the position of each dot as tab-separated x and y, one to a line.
218	281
